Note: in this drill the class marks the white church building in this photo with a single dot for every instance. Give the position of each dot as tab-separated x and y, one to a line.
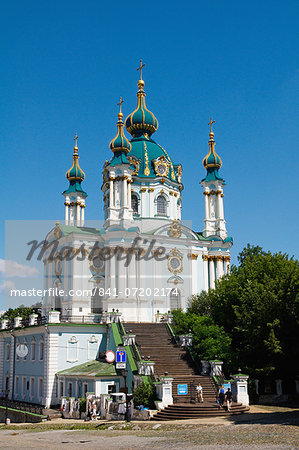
143	263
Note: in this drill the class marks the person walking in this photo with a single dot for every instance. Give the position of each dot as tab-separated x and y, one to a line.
229	399
199	393
221	396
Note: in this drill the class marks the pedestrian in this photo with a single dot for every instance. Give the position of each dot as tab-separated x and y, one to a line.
229	399
199	393
221	396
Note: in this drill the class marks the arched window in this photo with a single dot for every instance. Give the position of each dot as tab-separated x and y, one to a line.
161	205
175	299
134	203
96	301
7	356
41	350
33	348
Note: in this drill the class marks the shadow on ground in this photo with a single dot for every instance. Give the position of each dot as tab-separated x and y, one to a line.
281	418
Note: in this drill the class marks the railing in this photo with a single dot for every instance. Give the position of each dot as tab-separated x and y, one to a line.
91	318
218	378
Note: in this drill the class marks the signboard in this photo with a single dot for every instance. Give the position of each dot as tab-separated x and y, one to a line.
121	365
182	389
121	356
110	356
226	386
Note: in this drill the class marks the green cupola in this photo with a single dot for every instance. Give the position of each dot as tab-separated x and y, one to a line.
212	162
75	174
120	146
141	121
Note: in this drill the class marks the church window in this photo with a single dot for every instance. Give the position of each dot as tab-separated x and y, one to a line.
40	388
7	353
161	205
175	299
96	301
92	347
72	349
25	345
41	350
33	349
32	387
134	203
17	380
70	389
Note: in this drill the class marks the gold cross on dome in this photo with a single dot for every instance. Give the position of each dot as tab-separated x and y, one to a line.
140	68
120	103
75	139
211	123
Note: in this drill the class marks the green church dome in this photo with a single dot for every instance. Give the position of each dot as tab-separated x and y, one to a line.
75	174
120	143
212	162
141	121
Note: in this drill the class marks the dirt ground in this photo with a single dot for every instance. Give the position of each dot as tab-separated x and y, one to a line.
262	428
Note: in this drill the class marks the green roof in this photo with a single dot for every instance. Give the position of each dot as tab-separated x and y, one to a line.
91	369
68	229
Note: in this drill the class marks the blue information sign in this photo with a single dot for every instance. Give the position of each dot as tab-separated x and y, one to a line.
182	389
121	356
226	386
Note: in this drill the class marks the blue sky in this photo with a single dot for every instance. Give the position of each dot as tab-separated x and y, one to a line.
65	64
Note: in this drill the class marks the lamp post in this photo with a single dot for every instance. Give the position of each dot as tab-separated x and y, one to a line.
6	392
125	374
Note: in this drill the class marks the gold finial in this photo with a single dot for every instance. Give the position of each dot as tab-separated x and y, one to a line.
76	143
120	114
140	68
211	123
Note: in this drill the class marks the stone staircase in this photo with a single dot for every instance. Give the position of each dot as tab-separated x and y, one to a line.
155	342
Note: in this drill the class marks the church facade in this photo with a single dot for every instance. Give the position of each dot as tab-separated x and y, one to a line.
143	263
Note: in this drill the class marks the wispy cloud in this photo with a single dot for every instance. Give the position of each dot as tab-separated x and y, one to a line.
6	285
10	268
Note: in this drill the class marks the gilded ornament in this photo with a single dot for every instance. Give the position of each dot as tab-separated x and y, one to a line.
146	170
175	229
57	231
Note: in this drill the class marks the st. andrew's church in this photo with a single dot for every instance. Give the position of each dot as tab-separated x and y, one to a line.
142	196
163	262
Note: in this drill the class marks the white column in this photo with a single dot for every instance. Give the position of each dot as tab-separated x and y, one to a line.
66	214
227	264
194	275
132	274
125	193
205	272
151	202
220	271
220	206
122	275
50	368
143	205
78	221
112	275
82	215
212	273
206	205
111	196
129	194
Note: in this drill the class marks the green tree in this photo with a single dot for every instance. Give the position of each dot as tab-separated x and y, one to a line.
258	306
209	339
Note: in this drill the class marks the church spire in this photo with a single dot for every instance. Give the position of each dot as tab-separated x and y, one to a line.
120	143
212	162
74	195
141	121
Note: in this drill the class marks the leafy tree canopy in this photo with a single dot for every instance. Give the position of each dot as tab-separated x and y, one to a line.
257	305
